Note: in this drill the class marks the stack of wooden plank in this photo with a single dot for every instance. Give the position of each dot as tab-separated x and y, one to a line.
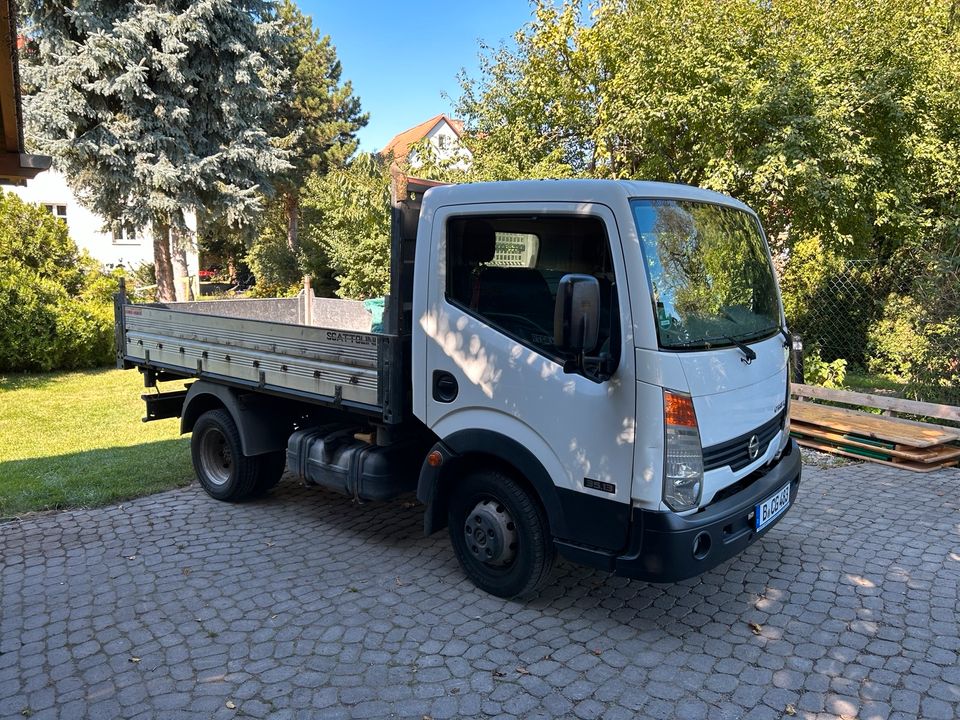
909	444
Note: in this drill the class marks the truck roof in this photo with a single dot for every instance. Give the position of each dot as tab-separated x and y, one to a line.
598	191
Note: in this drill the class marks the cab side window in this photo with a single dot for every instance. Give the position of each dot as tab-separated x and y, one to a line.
505	269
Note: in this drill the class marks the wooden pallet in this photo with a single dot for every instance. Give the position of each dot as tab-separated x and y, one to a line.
912	445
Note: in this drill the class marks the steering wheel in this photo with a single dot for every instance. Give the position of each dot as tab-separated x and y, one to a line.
520	325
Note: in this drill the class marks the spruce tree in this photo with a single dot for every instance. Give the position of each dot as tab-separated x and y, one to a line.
157	107
318	115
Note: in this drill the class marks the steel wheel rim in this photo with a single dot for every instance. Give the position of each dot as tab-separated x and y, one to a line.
491	533
215	457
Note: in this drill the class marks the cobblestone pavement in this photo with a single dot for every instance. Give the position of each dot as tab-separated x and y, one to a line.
304	605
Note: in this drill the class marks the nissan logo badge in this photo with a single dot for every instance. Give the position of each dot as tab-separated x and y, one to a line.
753	447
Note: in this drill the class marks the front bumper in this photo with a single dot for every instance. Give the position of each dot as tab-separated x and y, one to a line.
666	547
663	543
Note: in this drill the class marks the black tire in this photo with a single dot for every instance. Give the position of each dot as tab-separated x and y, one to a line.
271	470
224	472
513	565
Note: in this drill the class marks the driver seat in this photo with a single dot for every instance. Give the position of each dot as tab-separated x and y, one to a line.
516	291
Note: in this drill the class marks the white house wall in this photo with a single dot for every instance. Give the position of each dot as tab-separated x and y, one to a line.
451	150
87	229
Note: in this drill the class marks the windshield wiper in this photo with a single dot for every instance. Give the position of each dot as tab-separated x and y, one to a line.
749	354
787	339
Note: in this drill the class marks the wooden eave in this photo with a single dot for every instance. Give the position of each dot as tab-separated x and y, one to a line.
16	166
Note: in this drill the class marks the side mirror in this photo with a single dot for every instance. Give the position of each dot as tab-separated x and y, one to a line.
576	317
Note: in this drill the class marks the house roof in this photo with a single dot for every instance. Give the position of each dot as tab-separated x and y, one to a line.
16	166
400	144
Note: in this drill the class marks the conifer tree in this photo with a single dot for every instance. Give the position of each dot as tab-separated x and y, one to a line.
157	107
318	114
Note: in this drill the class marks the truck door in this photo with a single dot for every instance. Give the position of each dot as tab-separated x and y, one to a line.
491	364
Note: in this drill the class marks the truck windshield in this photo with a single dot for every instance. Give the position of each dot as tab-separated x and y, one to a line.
710	274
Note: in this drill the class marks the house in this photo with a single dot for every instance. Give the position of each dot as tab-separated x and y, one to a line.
112	245
442	133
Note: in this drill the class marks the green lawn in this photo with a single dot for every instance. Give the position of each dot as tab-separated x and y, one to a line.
863	381
76	440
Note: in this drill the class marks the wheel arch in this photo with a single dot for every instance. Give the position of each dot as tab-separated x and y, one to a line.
476	447
262	425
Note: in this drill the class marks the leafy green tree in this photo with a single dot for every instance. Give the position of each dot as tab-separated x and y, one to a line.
154	107
318	114
831	118
352	233
835	120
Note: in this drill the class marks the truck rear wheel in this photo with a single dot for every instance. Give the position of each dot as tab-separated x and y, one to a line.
500	534
224	472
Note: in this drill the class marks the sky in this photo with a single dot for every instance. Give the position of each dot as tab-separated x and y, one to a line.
403	56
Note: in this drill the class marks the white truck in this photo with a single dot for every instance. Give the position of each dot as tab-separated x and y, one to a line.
597	369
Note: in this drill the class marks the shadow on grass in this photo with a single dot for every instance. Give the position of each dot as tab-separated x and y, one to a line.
12	381
92	477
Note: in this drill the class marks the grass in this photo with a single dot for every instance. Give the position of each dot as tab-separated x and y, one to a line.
863	381
76	440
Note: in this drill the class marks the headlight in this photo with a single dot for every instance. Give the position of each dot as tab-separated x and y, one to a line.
683	469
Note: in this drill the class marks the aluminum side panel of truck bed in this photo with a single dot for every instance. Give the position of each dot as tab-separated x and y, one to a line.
301	359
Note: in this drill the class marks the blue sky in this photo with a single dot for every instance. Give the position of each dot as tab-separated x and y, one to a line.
402	56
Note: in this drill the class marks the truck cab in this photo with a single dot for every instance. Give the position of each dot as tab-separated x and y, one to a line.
617	350
596	369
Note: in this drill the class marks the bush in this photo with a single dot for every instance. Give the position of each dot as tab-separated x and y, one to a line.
142	283
272	262
56	307
917	341
39	241
895	347
274	290
817	371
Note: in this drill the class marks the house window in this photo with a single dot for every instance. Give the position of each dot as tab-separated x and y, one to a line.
125	234
56	210
443	142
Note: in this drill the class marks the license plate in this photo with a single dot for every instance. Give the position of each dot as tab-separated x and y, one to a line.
772	507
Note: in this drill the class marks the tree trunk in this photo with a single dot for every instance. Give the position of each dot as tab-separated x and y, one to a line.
291	206
179	241
161	262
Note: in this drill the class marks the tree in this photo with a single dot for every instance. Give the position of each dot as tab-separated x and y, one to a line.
154	107
835	120
318	114
825	116
352	233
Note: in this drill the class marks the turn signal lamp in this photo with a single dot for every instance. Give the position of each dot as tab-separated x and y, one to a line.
683	469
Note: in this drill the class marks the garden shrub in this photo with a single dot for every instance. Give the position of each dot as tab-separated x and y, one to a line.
817	371
918	343
274	290
272	262
894	346
56	306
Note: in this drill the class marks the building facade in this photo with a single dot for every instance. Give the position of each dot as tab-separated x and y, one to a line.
443	135
112	245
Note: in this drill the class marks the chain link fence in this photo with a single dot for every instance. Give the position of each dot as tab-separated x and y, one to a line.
897	328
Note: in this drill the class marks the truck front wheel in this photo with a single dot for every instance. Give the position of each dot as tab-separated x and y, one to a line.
500	534
224	472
